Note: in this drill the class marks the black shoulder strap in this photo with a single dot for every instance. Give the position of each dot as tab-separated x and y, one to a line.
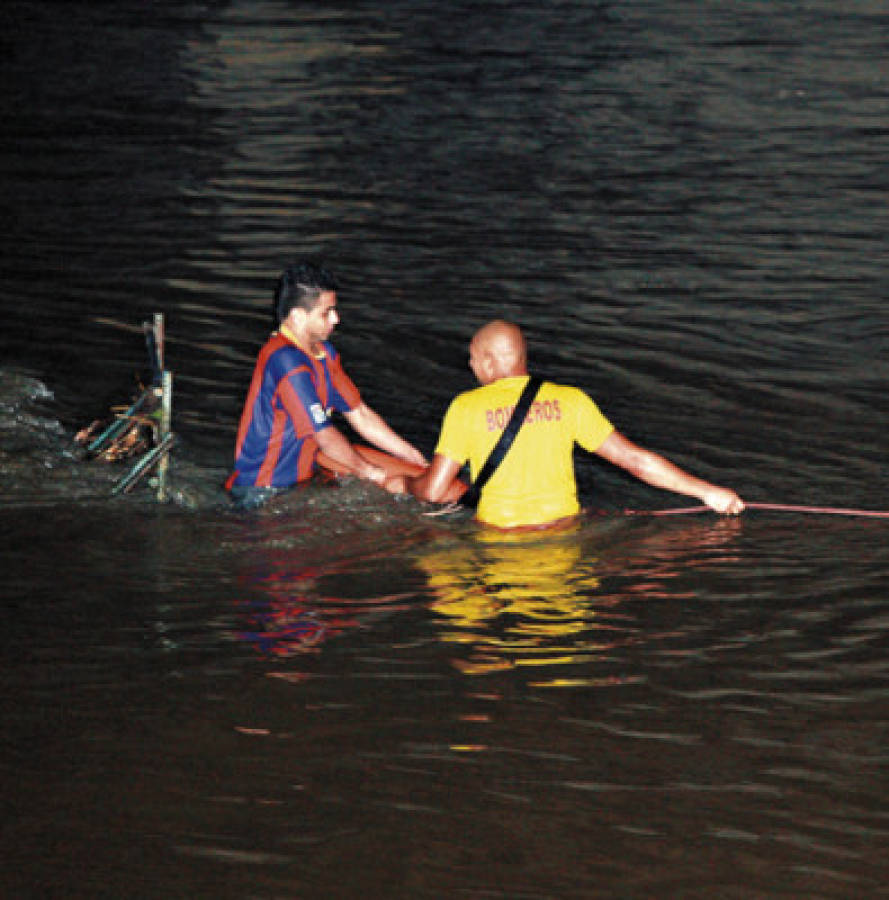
470	498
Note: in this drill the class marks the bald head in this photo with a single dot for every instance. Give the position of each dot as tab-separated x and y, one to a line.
498	351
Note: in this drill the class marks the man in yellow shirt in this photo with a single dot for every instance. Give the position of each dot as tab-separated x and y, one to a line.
534	485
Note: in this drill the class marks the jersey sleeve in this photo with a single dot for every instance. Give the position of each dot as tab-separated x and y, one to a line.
591	427
452	442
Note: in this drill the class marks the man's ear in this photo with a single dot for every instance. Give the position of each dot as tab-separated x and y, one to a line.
296	318
488	366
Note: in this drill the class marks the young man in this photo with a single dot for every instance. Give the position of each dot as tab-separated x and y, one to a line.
297	383
534	484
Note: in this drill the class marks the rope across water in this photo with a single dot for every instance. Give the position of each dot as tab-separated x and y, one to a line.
772	507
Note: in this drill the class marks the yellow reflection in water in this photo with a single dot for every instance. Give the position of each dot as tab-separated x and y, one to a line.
523	599
536	599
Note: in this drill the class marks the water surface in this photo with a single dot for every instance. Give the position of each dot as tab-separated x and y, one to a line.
683	204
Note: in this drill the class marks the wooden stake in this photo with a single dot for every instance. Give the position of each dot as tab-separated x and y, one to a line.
164	432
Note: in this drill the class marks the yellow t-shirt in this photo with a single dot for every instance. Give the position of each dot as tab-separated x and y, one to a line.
535	482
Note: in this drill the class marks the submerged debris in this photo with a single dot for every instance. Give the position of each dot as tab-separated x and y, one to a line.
142	429
129	431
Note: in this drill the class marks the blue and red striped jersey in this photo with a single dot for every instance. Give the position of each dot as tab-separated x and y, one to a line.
290	400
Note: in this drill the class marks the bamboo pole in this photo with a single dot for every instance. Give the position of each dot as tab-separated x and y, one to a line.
164	433
162	389
159	336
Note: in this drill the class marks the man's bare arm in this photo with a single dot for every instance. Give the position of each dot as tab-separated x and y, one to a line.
373	428
659	472
433	484
334	444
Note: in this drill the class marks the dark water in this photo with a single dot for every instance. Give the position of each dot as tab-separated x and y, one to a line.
684	204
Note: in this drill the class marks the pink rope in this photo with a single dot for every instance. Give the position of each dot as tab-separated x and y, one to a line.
772	507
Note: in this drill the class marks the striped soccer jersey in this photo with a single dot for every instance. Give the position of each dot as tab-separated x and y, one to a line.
290	400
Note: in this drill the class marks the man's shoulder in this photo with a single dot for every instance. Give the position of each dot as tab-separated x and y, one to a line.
472	395
567	390
284	354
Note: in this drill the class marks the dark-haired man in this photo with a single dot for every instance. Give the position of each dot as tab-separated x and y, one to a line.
298	381
534	485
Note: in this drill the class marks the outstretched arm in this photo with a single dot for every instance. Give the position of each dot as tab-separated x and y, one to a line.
661	473
371	426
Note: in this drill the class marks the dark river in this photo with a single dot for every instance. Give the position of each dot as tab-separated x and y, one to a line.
685	205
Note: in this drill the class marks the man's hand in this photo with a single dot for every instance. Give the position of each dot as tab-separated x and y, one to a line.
396	484
344	459
371	473
412	455
723	500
